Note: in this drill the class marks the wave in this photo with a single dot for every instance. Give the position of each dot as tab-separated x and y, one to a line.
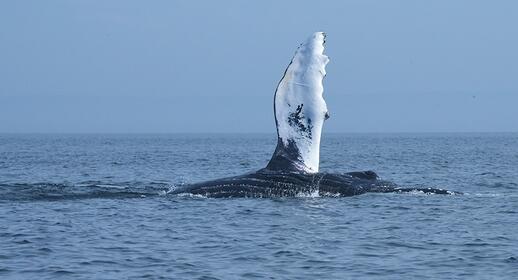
83	190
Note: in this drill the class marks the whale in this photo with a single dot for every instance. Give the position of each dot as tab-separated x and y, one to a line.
293	170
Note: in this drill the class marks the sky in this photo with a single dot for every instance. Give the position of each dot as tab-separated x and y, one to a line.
213	66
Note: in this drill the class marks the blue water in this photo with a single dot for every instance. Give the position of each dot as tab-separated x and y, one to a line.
97	207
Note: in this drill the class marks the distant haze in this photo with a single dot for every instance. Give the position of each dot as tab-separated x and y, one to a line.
213	66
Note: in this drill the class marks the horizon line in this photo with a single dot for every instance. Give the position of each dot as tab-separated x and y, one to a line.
258	132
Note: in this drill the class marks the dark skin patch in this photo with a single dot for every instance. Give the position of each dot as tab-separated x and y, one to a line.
296	120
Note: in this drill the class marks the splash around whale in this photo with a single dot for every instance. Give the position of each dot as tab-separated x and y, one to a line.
300	111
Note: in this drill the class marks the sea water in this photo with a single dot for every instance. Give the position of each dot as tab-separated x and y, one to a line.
98	207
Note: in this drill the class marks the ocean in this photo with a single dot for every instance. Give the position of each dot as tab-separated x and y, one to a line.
98	206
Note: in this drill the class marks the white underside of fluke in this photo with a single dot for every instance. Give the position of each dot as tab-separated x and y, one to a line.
300	109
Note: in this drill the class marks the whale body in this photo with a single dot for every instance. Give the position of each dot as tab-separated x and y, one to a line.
300	112
267	183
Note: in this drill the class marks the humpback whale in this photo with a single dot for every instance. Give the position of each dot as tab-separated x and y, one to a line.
300	111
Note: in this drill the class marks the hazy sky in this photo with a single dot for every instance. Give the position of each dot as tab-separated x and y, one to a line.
213	66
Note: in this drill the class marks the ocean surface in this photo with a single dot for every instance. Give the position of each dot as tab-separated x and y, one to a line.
98	207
